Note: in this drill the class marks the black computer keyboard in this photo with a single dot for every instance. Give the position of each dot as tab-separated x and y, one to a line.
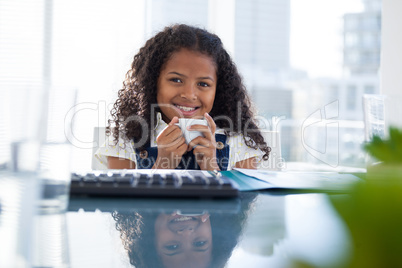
142	183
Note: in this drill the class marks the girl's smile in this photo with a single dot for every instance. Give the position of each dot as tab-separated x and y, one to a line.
186	85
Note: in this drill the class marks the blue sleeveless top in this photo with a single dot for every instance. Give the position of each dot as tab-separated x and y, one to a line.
146	158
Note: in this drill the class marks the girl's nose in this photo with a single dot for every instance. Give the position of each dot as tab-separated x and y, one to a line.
189	92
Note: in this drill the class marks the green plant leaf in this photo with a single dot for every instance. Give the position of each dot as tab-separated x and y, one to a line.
386	150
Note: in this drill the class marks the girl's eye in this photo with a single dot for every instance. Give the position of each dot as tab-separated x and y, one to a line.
202	84
172	247
200	244
176	80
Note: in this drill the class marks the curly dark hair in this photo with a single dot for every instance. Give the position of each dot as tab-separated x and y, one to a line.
232	109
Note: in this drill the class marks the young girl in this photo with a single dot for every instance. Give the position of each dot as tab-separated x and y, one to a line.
183	72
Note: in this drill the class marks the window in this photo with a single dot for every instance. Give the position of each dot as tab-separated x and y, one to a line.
24	69
351	97
352	57
368	40
278	46
369	89
334	93
351	39
370	22
351	23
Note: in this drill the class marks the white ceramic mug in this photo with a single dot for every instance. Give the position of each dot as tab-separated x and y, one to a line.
189	135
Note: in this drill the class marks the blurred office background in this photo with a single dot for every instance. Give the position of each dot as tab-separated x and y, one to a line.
306	63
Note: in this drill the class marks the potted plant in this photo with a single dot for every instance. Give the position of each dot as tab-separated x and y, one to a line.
389	152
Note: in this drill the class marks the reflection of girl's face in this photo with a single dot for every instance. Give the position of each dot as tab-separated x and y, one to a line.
183	241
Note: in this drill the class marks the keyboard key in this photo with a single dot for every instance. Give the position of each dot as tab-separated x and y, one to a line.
213	181
156	180
106	180
126	180
169	180
143	180
90	178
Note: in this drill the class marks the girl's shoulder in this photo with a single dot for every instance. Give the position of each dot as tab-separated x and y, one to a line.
122	143
122	139
240	151
238	141
235	139
122	148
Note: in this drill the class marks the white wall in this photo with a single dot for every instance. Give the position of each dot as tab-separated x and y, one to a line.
391	60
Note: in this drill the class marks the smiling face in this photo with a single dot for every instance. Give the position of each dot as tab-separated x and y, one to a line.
183	241
186	85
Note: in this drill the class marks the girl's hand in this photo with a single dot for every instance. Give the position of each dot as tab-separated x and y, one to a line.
171	146
205	147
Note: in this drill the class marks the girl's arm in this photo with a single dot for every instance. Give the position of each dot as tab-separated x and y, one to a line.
118	163
250	163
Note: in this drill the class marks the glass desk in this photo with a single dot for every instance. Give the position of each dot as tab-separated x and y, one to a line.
261	229
256	230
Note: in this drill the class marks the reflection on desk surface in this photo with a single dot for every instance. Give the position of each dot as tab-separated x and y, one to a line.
255	230
176	235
